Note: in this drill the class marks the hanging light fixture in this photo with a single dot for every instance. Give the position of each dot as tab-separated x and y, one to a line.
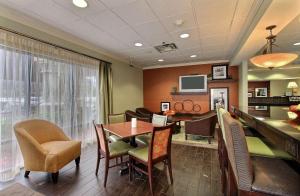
269	59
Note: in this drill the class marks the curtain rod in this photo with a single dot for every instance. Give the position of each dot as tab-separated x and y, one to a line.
45	42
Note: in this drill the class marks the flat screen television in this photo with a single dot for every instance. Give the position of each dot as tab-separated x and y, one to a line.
193	83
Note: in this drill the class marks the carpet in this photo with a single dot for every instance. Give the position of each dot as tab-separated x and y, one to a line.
192	140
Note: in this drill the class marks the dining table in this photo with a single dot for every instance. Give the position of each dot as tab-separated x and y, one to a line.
124	130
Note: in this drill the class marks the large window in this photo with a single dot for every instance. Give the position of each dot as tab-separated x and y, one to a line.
47	84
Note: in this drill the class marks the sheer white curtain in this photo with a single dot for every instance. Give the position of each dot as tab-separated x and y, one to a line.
41	81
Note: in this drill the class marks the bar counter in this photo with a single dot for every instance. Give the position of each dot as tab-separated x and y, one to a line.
277	128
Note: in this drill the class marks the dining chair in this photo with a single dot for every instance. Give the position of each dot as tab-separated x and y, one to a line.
157	120
115	118
248	175
159	150
109	151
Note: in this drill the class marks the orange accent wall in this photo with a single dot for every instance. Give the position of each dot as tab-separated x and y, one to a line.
158	84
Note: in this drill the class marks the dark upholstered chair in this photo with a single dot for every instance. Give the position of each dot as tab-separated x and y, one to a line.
254	175
109	151
144	112
131	114
159	150
204	126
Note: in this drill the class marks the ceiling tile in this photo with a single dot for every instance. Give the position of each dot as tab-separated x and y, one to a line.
94	6
167	8
153	32
135	13
187	18
116	3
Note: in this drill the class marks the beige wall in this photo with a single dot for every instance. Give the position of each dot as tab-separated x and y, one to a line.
279	87
127	81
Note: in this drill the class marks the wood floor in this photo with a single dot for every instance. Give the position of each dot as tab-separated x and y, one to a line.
195	172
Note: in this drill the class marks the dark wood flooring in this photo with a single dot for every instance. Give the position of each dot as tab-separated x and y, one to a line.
195	172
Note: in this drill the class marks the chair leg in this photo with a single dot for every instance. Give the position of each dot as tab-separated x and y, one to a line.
209	140
26	174
106	170
185	136
150	177
170	170
55	177
77	161
130	169
98	163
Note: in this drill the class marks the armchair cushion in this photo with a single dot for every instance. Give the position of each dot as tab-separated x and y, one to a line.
60	153
257	147
140	153
114	138
118	148
275	177
144	139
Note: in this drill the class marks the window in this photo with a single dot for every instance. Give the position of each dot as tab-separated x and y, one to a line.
50	84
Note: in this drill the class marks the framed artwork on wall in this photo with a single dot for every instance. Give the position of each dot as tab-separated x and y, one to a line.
261	92
219	72
219	96
164	106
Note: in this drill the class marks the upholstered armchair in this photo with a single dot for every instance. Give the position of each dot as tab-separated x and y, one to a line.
204	126
45	147
130	114
144	112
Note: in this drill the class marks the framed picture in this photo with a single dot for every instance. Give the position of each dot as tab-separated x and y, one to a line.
164	106
261	107
250	95
219	72
219	96
261	92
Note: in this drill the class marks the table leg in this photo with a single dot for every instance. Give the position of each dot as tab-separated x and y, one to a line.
133	142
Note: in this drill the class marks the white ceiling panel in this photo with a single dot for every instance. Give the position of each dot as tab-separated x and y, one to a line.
135	13
153	32
187	18
116	3
215	27
94	7
165	8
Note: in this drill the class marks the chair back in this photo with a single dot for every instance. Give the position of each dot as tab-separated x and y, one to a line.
130	114
238	155
101	138
221	122
41	130
160	145
116	118
159	120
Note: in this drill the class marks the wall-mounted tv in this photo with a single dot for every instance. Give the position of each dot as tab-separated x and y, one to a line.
193	83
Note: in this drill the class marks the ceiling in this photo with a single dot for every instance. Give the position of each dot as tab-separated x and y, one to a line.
215	27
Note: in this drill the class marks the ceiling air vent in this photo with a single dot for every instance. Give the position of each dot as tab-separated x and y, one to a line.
166	47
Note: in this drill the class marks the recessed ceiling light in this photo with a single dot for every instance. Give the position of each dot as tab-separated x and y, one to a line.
160	60
297	44
80	3
185	35
193	56
138	44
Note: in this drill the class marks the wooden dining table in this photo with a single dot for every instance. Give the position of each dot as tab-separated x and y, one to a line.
124	130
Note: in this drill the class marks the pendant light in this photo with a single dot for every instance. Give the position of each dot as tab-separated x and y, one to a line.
269	59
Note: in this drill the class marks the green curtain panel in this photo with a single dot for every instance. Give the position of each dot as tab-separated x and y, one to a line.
106	91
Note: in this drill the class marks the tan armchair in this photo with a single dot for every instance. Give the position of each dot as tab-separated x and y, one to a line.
45	147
